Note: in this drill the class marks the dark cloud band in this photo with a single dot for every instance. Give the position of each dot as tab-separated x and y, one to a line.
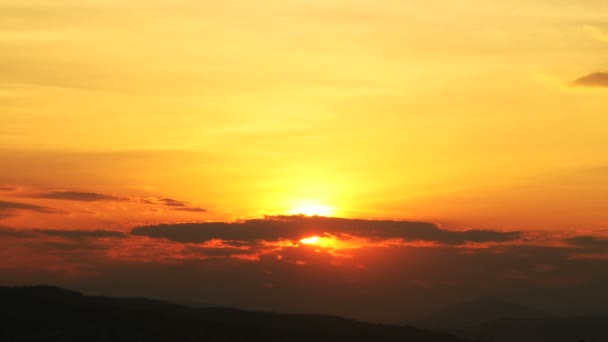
7	208
79	196
297	227
79	234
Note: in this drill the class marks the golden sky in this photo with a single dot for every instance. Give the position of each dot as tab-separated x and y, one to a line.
465	113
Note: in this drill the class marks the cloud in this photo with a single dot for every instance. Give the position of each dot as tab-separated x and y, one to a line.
216	252
371	281
54	247
596	79
68	234
589	248
79	196
296	227
192	209
589	242
80	234
9	232
175	205
8	208
7	188
596	33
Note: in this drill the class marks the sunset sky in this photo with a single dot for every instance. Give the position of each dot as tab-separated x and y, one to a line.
173	136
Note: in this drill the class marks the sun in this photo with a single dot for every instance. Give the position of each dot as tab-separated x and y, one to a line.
310	240
323	241
312	210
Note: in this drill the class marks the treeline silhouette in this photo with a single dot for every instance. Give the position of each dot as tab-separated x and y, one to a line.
49	314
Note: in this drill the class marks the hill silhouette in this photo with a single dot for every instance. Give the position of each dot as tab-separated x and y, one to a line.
496	320
475	312
554	329
41	314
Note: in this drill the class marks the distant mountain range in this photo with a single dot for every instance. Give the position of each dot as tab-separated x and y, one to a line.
496	320
45	314
475	312
549	329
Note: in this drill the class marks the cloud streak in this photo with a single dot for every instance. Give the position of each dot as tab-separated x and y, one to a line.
296	227
68	234
192	209
9	208
91	197
589	242
79	196
596	79
13	233
175	205
596	33
80	234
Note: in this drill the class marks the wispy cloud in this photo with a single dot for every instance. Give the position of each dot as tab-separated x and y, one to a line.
13	233
596	33
175	205
67	234
8	208
83	196
191	209
589	242
79	196
596	79
80	234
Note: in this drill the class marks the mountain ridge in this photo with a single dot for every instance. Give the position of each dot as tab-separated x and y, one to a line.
55	314
474	312
554	329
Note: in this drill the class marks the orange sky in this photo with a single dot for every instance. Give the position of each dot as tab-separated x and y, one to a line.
457	112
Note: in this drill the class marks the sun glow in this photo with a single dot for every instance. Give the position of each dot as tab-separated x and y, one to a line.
312	210
310	240
345	242
325	241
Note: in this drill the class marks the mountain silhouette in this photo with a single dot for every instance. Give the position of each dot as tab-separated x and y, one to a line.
496	320
475	312
41	314
554	329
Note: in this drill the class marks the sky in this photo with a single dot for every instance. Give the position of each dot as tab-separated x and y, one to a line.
177	138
